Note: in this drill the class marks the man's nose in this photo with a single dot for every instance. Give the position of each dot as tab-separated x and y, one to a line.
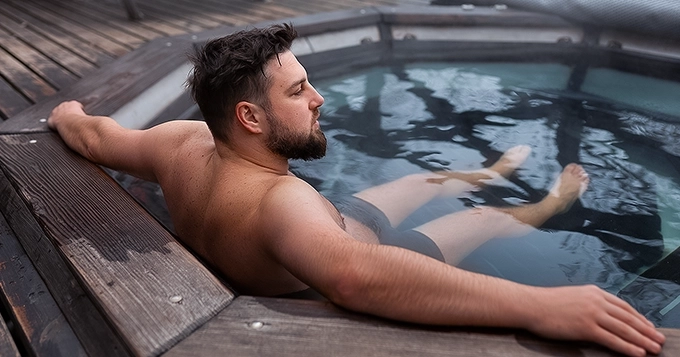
318	99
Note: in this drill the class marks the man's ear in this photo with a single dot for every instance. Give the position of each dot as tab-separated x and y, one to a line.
250	116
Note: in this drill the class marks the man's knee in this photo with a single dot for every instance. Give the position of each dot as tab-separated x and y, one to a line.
502	220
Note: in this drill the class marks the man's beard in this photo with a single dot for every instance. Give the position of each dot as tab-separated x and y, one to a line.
291	145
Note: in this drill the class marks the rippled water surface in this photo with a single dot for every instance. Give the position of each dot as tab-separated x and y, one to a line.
386	122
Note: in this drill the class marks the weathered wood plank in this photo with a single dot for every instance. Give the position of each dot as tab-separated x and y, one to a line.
108	46
28	84
192	12
59	54
263	8
122	24
56	34
7	346
42	65
133	12
315	6
11	102
189	23
152	290
253	326
96	336
93	24
111	87
219	12
149	22
38	319
248	10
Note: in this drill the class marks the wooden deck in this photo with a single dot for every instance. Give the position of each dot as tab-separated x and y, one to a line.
86	271
47	45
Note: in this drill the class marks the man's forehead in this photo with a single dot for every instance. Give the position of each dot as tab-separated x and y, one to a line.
285	68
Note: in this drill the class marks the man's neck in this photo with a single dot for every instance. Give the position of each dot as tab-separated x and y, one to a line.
255	157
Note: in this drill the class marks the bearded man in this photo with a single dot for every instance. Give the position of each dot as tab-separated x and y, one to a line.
233	200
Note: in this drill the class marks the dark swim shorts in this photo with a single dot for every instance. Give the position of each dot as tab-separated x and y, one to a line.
373	218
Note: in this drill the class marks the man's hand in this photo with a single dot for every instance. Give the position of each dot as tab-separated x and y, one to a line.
591	314
62	110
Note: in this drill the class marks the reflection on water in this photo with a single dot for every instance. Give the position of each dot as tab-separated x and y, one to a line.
385	123
388	122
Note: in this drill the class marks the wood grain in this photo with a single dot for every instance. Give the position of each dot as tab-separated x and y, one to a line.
55	34
130	266
88	324
67	59
11	102
119	23
95	25
108	89
113	11
7	346
312	328
38	321
31	86
40	64
81	35
102	42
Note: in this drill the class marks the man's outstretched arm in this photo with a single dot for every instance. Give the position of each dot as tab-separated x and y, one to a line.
102	140
403	285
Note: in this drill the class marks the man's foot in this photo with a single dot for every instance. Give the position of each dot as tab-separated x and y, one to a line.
504	167
568	187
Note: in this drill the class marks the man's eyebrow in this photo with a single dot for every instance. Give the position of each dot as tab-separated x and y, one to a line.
297	83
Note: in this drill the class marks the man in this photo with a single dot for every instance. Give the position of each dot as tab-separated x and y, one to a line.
233	201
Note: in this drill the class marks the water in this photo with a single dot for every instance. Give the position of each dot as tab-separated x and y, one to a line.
386	122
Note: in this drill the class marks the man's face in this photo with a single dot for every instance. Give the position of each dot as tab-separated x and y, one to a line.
293	111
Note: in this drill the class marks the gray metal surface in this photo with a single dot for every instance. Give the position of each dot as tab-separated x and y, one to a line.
654	17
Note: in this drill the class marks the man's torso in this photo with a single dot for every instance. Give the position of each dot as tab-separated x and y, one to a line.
215	209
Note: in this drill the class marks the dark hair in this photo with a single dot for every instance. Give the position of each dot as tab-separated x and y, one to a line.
230	69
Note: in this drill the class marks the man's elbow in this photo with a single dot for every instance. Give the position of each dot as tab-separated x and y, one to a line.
89	148
349	290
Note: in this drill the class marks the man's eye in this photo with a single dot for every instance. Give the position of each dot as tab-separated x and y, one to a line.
298	92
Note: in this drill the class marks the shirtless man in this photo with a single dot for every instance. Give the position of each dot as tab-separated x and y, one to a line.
234	202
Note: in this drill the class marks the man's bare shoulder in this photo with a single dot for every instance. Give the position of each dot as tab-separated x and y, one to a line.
293	201
289	190
160	148
180	130
168	139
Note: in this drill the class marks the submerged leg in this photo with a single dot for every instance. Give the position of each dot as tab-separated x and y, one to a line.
459	233
399	198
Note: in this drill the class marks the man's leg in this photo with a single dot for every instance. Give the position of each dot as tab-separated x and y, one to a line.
459	233
399	198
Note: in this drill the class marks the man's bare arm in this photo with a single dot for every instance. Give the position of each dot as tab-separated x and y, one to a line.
400	284
102	140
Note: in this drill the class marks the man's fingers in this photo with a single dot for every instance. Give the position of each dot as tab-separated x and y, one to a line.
616	343
630	329
624	312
